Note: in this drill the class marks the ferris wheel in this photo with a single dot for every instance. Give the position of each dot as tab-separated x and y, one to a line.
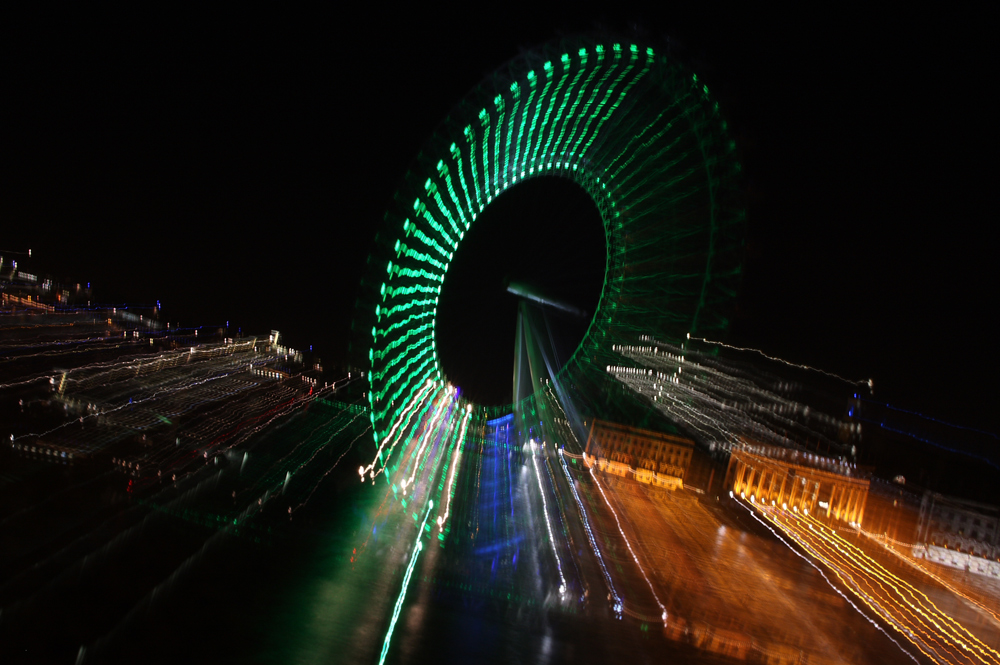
640	133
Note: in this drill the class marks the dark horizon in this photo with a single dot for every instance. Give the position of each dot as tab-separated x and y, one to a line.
237	169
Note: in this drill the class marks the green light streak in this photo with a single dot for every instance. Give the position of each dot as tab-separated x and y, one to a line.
402	250
484	150
498	102
546	125
423	350
470	136
394	292
410	228
399	309
402	323
402	340
590	115
558	122
574	115
534	112
457	156
528	108
421	210
418	546
411	380
444	173
442	208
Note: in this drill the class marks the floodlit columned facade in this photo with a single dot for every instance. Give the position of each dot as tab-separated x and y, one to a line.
799	481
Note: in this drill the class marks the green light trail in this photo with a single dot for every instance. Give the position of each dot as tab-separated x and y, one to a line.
418	546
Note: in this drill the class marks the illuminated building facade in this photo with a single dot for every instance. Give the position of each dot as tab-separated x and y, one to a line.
799	481
641	449
959	533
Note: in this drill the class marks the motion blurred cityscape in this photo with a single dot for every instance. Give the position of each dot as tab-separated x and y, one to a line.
198	490
641	335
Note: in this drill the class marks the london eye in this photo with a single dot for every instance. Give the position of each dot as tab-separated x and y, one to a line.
641	134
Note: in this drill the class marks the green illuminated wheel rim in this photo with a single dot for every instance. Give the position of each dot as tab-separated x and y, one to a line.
640	133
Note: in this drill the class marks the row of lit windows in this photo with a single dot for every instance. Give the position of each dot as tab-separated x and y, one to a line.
639	450
614	441
974	534
976	549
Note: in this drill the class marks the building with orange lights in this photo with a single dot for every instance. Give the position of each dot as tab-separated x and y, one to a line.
653	457
797	480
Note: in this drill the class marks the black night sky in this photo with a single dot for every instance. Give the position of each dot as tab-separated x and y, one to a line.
236	167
